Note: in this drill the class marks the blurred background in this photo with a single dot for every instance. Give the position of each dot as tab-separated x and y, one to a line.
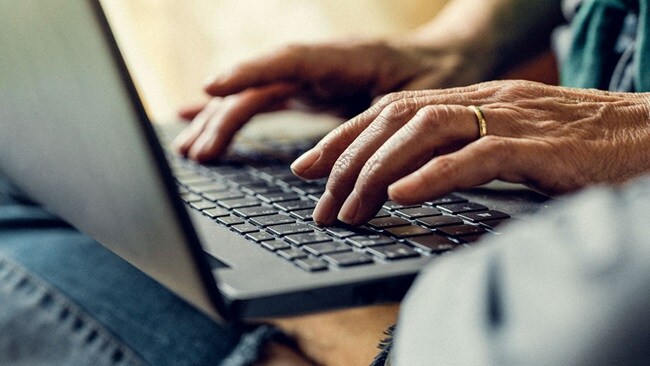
173	46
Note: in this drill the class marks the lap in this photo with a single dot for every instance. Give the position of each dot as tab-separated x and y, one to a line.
50	259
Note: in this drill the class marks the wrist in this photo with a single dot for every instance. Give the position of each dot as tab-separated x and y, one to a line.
490	37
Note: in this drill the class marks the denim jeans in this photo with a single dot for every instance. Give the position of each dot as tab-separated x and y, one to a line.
65	299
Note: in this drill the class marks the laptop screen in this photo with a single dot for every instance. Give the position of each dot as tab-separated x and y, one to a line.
76	139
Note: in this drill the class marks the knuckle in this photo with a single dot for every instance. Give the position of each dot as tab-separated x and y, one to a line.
344	133
492	144
372	171
432	118
499	150
392	97
395	113
446	166
292	50
399	109
340	172
512	89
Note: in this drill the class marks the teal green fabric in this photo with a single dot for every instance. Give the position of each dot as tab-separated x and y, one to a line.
596	27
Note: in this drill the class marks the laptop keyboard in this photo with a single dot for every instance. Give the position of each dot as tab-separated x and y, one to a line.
272	208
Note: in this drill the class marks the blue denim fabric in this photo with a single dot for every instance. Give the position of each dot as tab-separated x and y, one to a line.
40	326
53	263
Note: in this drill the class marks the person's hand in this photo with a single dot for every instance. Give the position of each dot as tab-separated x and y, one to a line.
413	146
342	78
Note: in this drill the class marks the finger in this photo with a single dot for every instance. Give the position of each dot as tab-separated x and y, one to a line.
282	66
183	142
357	149
235	111
318	162
433	129
190	112
478	163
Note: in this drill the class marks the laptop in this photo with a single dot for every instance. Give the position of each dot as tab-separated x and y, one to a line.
235	240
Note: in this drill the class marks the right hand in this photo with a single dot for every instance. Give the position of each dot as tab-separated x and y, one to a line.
342	78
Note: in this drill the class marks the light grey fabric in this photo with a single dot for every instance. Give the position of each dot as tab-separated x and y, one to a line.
571	287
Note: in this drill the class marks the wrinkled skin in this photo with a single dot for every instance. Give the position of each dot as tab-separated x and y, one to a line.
414	146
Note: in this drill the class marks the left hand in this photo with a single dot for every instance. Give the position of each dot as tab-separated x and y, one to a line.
417	145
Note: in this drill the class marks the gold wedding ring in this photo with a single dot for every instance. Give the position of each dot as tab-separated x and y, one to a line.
482	125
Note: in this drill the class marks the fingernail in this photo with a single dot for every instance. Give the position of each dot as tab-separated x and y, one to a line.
350	208
305	161
324	211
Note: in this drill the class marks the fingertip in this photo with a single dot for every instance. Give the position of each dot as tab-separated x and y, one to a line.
182	143
305	161
325	211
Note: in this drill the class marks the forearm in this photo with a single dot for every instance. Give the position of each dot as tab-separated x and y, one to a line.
501	33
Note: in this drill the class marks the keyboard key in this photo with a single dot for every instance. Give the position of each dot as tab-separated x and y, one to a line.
191	197
291	253
295	205
248	212
305	215
394	251
461	230
193	178
408	231
343	231
326	248
214	213
370	240
485	216
288	229
315	197
386	222
265	221
230	220
259	188
244	228
278	197
418	212
202	205
432	243
243	179
347	259
457	208
392	205
239	203
382	213
288	180
446	200
438	221
210	186
274	245
260	236
307	238
470	239
272	171
307	188
225	195
311	264
493	224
